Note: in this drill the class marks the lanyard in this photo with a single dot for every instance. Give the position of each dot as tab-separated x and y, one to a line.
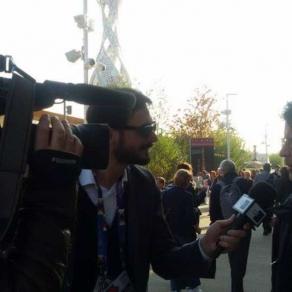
103	228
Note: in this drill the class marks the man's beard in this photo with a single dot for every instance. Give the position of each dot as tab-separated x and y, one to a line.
132	156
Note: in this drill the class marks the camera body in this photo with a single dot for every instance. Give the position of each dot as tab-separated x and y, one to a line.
94	137
19	97
95	141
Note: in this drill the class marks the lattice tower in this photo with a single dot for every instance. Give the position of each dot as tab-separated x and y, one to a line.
109	53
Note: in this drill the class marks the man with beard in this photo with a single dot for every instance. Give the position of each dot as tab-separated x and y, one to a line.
282	233
120	225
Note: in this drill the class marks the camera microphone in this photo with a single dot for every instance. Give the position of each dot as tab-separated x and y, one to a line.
82	93
45	94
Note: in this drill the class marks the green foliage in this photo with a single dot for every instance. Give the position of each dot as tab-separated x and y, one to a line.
238	153
165	155
275	159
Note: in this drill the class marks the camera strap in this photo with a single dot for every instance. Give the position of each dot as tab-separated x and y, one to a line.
14	146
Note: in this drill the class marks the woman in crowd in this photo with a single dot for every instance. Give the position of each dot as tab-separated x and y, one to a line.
180	215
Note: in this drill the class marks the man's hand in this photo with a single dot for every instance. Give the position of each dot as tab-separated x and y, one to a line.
218	239
61	138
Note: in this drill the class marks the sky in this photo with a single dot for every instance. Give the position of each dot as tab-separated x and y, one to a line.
237	46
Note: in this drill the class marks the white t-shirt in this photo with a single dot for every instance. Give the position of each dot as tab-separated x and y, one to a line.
87	181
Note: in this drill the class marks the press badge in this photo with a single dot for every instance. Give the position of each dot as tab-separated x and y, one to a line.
121	284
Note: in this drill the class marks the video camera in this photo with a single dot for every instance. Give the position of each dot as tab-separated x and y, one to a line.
19	97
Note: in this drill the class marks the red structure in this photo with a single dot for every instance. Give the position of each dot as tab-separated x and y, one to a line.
202	154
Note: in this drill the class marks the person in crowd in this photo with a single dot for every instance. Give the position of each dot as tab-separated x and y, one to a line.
207	180
205	174
264	175
241	172
36	258
160	182
254	173
247	177
185	165
198	195
192	187
198	178
213	175
282	235
276	173
180	215
237	258
121	227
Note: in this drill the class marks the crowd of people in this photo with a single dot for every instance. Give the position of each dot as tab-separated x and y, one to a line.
276	186
106	238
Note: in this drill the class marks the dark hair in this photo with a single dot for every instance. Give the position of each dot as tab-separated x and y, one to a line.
114	115
287	113
182	178
184	165
227	166
161	180
267	166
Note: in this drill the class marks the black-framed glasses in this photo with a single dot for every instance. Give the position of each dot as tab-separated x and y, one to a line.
144	130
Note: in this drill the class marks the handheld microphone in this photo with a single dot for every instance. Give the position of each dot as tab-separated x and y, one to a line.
252	208
247	211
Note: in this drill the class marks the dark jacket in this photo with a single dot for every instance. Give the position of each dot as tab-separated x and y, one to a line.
36	258
282	249
180	214
214	203
198	195
148	239
283	188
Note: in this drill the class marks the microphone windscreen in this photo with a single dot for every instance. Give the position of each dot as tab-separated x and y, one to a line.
264	194
86	94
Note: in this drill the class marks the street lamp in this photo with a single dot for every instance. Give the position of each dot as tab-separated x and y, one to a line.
86	24
266	145
227	112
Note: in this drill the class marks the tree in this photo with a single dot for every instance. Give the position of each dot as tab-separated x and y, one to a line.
275	159
238	153
165	155
199	118
159	107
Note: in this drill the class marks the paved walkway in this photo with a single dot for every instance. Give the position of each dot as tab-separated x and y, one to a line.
258	274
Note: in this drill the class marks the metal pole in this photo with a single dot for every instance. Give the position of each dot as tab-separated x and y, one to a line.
266	145
85	49
203	159
85	42
227	112
64	109
227	127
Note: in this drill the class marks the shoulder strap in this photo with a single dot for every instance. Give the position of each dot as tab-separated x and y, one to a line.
14	147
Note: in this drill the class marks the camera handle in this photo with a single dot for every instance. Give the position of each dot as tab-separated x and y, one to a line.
14	147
